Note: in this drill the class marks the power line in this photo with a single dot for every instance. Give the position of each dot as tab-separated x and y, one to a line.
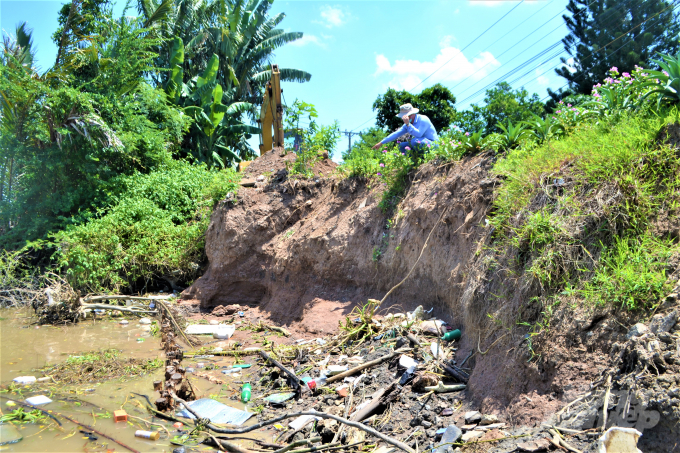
512	46
673	4
676	3
447	62
463	49
519	67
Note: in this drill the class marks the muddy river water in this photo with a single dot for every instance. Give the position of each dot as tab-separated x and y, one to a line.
24	349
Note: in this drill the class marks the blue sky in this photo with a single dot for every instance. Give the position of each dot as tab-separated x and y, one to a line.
355	50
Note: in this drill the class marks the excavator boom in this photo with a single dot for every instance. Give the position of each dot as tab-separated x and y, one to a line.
271	114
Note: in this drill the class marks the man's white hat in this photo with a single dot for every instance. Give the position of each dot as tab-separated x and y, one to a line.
407	109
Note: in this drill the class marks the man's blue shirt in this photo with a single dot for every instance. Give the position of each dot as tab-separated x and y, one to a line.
420	128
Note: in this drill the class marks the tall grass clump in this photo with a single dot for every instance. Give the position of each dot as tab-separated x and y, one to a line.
153	229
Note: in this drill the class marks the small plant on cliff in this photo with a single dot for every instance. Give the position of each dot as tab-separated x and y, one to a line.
393	171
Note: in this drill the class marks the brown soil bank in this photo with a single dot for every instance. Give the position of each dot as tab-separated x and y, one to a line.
307	251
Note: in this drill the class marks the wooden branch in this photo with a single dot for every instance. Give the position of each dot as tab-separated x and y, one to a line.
561	442
370	364
247	429
319	448
293	377
228	446
115	307
119	297
605	407
95	431
378	399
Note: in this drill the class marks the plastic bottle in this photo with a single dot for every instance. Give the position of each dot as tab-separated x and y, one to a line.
318	382
453	335
245	392
408	374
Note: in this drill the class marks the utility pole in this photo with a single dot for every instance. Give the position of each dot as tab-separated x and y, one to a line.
349	136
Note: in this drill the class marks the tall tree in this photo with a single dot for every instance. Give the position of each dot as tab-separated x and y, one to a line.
501	104
614	33
436	102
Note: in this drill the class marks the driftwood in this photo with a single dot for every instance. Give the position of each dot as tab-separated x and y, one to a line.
30	406
293	377
370	364
247	429
559	441
99	433
380	398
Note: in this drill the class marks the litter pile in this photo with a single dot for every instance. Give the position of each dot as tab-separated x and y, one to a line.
389	383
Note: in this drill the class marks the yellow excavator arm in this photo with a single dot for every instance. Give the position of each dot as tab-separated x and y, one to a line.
271	114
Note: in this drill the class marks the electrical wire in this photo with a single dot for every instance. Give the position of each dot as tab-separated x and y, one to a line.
673	4
448	61
519	67
619	48
469	44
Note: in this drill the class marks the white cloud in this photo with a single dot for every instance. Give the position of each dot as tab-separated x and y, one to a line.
540	78
406	74
308	39
570	65
446	41
457	11
332	16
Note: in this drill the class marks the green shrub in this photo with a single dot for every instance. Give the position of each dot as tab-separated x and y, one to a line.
153	229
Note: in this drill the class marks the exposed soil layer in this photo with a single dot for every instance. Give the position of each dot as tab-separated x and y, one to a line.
304	252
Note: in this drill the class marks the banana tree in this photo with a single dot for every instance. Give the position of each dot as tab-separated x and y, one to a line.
217	135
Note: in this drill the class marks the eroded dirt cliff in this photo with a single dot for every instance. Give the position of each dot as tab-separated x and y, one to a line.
307	251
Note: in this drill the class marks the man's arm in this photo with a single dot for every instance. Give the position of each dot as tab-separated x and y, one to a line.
392	137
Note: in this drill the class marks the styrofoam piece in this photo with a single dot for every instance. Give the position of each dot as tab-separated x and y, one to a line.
302	420
24	379
38	400
224	331
619	440
407	362
437	350
145	321
200	329
336	369
216	412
